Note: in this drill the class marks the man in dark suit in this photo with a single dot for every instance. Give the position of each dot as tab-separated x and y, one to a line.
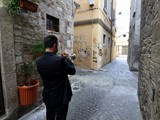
54	71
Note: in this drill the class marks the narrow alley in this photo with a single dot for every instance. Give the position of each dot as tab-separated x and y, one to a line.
107	94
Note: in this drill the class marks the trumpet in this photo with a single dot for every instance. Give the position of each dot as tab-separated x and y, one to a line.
66	55
72	56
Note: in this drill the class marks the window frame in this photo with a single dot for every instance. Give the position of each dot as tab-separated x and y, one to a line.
105	6
52	23
104	39
109	41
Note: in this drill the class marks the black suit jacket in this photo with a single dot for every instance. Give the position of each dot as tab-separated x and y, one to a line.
54	72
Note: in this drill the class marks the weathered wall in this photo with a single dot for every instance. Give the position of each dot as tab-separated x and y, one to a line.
31	27
17	36
82	46
91	22
149	71
103	50
134	36
8	66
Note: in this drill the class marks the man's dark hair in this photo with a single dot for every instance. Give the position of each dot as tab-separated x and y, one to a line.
50	40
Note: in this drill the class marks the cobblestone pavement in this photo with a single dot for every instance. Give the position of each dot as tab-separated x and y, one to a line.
107	94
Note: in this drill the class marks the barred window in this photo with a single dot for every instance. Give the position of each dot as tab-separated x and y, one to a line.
52	23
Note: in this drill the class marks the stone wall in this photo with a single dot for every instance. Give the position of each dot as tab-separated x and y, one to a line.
149	71
18	34
8	66
134	37
31	27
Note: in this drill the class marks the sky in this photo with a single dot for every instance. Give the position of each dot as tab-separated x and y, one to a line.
122	20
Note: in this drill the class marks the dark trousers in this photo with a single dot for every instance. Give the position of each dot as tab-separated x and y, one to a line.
57	113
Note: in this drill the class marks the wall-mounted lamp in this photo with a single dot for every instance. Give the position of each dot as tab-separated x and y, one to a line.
91	3
124	35
120	13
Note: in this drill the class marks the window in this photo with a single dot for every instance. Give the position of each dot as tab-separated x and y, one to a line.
104	40
124	50
52	23
109	41
134	13
105	6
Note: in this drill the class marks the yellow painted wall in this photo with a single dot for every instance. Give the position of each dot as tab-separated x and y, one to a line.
102	15
88	39
89	48
103	49
83	46
85	12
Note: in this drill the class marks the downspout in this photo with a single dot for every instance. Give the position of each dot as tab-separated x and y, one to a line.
111	30
92	40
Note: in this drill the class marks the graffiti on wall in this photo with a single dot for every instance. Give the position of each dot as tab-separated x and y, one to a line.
81	49
94	56
100	53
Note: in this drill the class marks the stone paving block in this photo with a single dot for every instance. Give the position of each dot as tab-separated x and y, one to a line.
92	100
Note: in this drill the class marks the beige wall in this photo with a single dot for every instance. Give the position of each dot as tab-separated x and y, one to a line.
103	57
83	46
88	35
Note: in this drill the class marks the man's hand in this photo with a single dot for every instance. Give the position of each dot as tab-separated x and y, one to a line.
65	55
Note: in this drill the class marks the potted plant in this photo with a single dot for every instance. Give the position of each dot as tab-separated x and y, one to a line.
38	49
14	6
28	91
29	5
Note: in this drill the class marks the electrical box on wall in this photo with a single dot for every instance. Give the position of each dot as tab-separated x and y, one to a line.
91	2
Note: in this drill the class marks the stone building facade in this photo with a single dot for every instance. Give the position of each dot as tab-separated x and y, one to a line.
134	35
18	34
149	70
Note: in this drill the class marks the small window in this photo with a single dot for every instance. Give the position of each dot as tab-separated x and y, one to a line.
52	23
104	40
134	13
109	41
105	6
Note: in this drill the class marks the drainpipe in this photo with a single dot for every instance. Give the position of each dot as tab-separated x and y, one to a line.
111	30
92	39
